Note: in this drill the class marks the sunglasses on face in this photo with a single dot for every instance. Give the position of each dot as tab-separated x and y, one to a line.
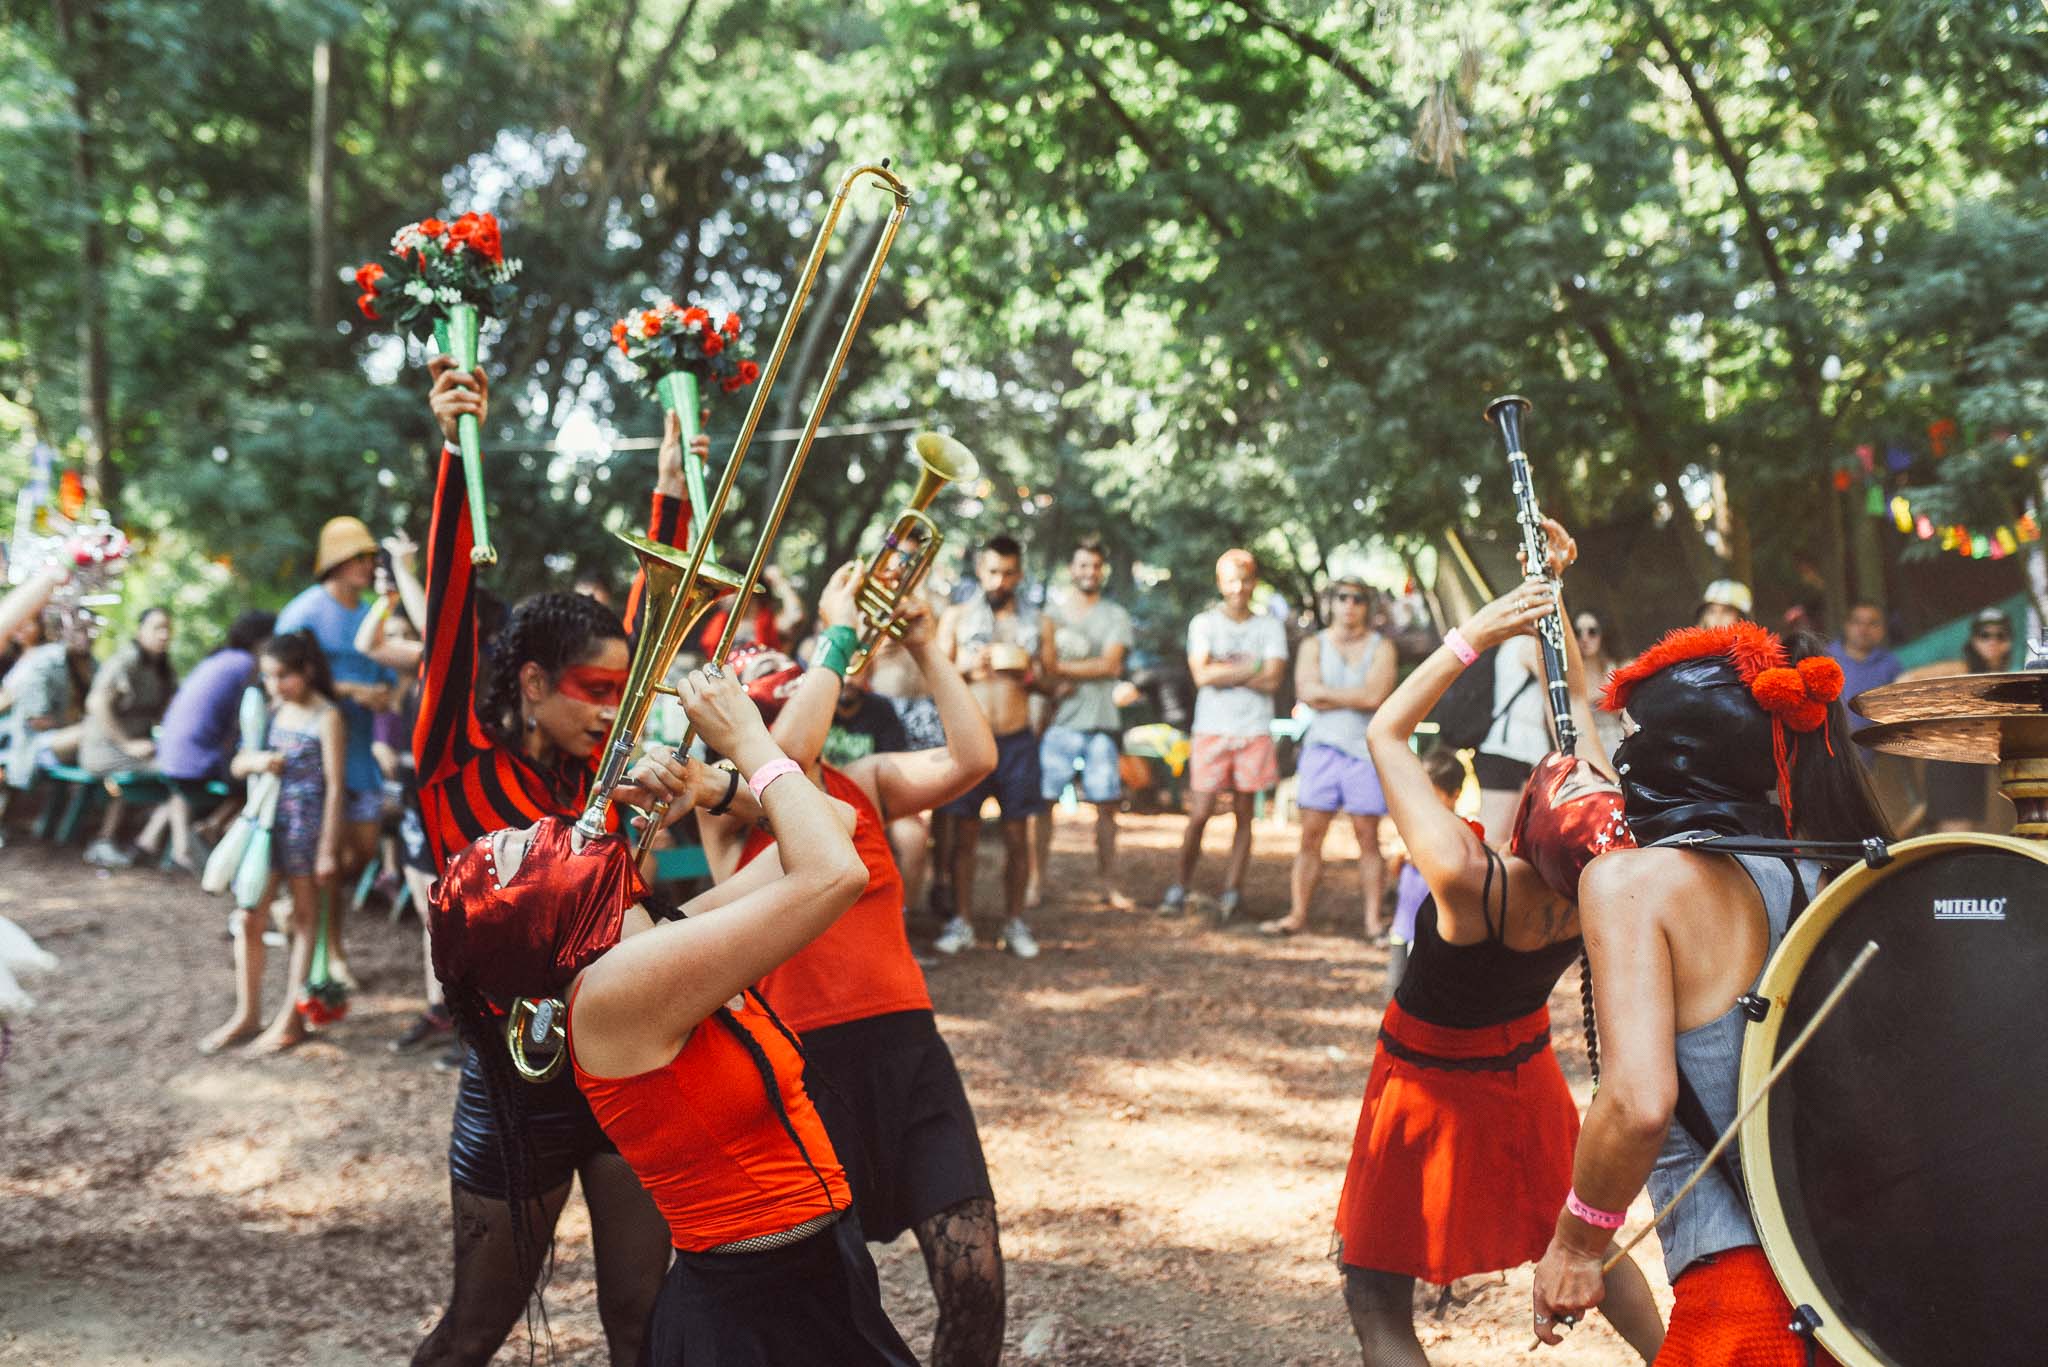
1348	597
1588	629
1992	634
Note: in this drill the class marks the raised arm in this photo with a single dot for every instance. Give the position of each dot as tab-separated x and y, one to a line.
1450	858
448	732
918	780
371	640
668	517
806	719
28	598
637	1005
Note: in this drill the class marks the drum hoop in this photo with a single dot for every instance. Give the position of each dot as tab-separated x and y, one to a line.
1759	1053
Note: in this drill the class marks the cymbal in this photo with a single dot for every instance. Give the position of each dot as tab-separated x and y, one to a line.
1956	695
1962	740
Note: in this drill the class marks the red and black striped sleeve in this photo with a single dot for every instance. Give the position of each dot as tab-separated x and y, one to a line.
669	523
448	733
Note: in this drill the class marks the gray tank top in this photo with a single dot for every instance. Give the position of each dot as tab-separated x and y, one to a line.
1342	728
1715	1217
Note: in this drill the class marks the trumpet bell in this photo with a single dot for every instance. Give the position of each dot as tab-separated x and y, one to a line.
945	462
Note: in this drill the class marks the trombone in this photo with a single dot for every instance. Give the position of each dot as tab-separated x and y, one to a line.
911	547
688	583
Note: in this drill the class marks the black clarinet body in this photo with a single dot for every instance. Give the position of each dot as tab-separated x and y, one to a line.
1505	414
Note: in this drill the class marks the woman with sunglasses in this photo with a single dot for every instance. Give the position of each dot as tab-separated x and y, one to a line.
1959	795
1602	657
1342	673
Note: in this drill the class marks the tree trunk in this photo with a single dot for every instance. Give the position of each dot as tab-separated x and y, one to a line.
95	402
320	279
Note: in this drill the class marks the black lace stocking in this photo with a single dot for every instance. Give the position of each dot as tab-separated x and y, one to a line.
964	1258
491	1289
1382	1308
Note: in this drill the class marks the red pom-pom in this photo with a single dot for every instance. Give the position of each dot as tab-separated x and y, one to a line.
1807	716
1823	678
1779	690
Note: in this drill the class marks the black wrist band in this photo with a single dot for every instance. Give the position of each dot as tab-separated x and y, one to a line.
732	788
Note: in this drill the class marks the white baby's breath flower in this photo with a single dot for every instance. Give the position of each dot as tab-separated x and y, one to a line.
420	290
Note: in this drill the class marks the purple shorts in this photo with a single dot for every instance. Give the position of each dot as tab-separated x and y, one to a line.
1410	892
1328	780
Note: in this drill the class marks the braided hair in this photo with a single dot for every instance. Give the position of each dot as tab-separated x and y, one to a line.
552	630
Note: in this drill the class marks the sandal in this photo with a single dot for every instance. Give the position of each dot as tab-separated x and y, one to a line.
1280	928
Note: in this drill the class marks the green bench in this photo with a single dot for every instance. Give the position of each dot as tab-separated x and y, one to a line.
80	794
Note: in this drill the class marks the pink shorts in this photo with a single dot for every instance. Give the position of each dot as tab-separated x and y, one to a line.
1232	764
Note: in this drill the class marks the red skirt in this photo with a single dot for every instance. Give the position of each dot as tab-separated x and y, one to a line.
1729	1311
1458	1171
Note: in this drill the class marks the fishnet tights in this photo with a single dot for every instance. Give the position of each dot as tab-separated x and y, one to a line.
964	1258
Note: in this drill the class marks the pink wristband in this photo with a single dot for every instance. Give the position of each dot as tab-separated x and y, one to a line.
1460	647
769	772
1599	1219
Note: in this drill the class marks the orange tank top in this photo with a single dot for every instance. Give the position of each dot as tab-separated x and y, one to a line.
861	966
703	1136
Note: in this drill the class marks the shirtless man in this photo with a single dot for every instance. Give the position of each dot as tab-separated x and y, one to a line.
992	640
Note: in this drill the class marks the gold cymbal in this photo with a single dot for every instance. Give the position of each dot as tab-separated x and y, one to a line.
1956	695
1961	739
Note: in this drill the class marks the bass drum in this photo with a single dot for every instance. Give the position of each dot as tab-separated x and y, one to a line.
1899	1170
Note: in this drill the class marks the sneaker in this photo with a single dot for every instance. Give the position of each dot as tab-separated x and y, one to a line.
1018	939
107	855
957	935
429	1026
1175	902
1227	905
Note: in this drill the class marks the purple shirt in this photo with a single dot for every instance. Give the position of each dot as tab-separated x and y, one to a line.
199	728
1857	675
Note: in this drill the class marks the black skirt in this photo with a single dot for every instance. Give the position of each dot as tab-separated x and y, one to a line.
891	1099
816	1303
563	1133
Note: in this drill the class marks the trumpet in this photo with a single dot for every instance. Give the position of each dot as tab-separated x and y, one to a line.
690	583
911	547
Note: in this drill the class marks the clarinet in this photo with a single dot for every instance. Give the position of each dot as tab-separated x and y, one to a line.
1505	413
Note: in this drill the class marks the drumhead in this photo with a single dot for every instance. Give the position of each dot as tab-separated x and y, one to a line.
1899	1170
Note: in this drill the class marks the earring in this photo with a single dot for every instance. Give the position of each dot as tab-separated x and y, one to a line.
533	723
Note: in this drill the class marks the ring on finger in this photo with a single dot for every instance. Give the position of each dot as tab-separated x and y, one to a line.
712	671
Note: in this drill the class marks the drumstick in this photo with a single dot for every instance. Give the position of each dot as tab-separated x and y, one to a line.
1799	1042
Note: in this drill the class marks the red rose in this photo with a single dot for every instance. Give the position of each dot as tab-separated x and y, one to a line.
433	227
732	325
749	372
694	317
619	335
713	344
650	324
479	233
368	304
367	277
730	386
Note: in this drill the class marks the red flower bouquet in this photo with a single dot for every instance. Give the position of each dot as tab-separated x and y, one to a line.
676	348
442	279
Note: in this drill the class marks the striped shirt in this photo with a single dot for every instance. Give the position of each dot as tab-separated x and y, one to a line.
469	784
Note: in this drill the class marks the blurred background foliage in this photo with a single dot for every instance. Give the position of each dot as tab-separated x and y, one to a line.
1186	273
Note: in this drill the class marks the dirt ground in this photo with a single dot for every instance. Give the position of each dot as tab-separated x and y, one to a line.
1167	1109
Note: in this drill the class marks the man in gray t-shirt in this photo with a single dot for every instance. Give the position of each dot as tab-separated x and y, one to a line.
1082	641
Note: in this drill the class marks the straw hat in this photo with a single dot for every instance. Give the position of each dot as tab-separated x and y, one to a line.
342	540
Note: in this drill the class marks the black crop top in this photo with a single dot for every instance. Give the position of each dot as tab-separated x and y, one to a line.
1466	986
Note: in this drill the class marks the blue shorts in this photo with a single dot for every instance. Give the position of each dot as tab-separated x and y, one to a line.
364	805
1328	780
1014	784
1099	755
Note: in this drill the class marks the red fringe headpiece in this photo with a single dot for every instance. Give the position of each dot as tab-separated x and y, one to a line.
1795	696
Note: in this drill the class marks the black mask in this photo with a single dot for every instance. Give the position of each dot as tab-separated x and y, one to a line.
1701	759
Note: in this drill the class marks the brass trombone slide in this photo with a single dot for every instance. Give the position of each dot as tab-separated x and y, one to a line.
687	596
911	547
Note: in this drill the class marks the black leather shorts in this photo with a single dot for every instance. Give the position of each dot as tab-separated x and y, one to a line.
559	1126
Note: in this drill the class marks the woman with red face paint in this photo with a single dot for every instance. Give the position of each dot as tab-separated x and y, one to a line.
1464	1145
504	739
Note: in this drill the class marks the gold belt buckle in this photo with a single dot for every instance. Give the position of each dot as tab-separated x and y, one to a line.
537	1020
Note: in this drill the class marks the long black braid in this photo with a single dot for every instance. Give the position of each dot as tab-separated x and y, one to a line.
552	630
767	1072
1586	1006
483	1031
